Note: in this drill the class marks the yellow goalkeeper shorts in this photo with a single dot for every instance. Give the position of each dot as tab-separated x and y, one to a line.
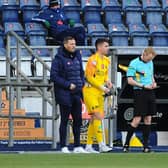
93	102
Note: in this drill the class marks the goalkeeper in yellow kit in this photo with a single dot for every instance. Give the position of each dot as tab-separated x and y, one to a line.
97	84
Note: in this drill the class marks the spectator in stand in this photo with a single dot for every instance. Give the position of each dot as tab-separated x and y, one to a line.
58	25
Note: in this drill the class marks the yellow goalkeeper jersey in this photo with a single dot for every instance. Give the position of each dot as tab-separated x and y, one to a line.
96	72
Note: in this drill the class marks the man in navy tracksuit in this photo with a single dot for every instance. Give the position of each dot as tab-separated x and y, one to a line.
58	25
68	77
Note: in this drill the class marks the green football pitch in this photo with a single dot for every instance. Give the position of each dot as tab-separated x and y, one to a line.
109	160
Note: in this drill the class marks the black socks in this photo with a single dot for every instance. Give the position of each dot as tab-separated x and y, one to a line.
130	132
146	133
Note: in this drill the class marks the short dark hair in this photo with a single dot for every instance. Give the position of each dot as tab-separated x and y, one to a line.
100	41
66	39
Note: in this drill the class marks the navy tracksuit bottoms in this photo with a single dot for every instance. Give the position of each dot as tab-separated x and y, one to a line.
76	112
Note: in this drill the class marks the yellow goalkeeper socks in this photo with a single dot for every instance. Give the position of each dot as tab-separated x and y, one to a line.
90	134
98	130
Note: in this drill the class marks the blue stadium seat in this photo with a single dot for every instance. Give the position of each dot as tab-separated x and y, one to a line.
1	37
164	4
118	34
131	5
150	4
17	27
153	17
72	9
91	4
166	17
10	10
36	34
91	10
29	9
153	11
110	4
2	45
139	34
165	9
85	53
35	28
133	16
73	14
44	4
70	4
113	16
78	25
95	31
2	51
159	34
133	11
112	11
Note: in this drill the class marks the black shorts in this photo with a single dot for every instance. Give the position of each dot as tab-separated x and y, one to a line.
144	103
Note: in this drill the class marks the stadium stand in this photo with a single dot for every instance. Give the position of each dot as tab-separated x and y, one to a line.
96	30
36	35
131	4
110	4
139	34
18	28
29	9
85	53
15	26
112	12
153	11
91	11
84	12
113	16
164	5
44	4
118	34
2	45
133	11
159	34
9	10
165	10
72	10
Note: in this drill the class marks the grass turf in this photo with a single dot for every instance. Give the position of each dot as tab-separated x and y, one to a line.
109	160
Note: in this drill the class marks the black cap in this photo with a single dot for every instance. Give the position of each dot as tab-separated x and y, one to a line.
54	2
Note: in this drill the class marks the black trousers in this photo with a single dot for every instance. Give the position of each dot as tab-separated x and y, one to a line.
76	111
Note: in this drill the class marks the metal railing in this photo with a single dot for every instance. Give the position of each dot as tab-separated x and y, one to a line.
40	88
12	88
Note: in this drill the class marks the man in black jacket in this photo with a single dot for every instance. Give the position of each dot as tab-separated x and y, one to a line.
68	77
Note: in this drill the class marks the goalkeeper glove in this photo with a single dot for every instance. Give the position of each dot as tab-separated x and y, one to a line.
47	24
71	22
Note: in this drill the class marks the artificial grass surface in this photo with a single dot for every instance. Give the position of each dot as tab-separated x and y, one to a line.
108	160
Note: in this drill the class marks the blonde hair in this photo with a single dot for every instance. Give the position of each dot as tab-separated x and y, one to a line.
149	50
